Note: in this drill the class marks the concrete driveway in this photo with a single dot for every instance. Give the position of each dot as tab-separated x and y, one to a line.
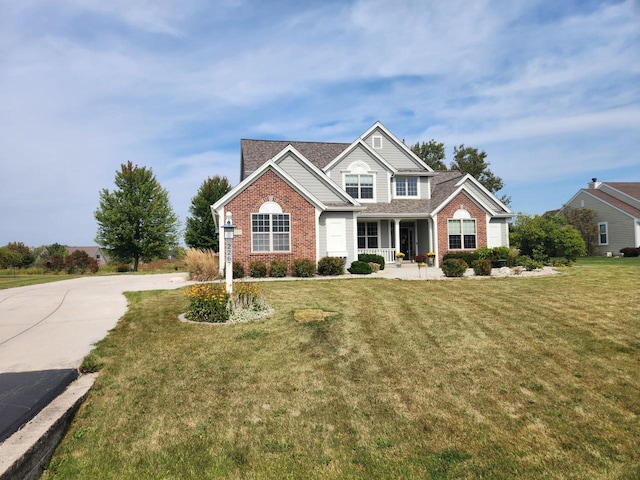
45	332
54	325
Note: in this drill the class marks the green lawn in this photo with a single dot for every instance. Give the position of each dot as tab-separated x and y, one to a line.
8	280
498	378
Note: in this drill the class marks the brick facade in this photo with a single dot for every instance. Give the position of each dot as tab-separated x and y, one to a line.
270	187
462	200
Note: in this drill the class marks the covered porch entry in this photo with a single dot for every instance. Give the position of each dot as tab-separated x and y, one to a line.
386	236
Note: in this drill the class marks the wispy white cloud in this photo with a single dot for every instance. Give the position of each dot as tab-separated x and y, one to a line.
174	85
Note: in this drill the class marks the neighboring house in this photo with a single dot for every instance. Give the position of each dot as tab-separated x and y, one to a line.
617	207
93	252
314	199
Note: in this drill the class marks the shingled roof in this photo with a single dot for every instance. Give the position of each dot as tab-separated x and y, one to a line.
253	153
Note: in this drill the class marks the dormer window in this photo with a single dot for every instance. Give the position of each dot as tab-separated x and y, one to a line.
406	187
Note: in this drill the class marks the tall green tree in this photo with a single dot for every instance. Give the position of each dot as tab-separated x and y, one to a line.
585	221
470	160
432	153
135	220
201	231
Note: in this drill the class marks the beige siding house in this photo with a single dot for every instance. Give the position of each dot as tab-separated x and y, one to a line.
617	205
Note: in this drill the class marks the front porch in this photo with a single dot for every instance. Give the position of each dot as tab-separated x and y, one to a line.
386	236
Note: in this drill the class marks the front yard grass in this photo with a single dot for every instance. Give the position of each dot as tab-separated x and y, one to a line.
504	378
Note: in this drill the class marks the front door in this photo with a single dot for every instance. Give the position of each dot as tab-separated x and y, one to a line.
407	241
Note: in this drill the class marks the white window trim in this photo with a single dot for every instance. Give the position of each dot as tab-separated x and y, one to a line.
395	188
376	139
270	208
361	200
461	219
365	222
606	232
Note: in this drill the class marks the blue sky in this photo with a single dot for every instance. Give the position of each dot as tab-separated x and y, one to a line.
550	90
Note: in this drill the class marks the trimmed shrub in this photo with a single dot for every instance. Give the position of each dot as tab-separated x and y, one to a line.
482	267
258	269
468	257
630	252
278	269
358	267
372	258
484	253
454	267
303	267
238	270
332	266
530	265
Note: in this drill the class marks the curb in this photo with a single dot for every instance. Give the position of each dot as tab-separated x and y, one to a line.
26	452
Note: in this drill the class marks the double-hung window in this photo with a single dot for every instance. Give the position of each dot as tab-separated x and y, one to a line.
359	186
406	187
270	232
368	235
462	233
603	233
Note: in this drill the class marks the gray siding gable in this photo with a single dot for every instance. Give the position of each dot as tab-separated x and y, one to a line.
306	177
392	152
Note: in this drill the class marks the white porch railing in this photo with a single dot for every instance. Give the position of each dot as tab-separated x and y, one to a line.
389	254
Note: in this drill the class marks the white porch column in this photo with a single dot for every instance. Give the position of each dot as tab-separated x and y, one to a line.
396	232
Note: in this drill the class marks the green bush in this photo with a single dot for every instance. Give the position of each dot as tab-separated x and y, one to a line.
454	267
359	267
278	269
122	268
530	265
482	267
484	253
258	269
372	258
238	270
468	257
331	266
303	267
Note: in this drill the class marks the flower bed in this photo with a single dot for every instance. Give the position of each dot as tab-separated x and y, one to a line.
210	303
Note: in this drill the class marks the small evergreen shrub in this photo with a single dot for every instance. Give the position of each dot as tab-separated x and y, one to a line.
332	266
258	269
303	267
530	265
630	252
238	270
482	267
278	269
468	257
372	258
454	267
358	267
484	253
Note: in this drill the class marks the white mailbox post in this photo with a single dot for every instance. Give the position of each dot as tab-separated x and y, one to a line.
229	228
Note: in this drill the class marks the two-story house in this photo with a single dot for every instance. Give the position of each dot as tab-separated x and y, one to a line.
315	199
